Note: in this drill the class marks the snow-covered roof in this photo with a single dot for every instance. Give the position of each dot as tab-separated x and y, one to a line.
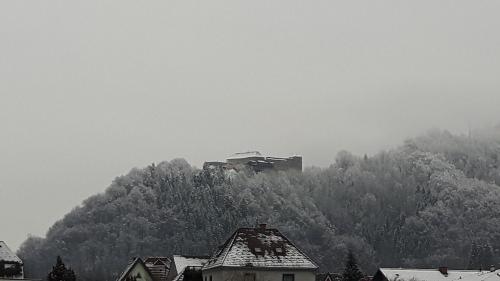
260	248
7	255
395	274
273	158
181	262
157	260
131	266
242	155
158	266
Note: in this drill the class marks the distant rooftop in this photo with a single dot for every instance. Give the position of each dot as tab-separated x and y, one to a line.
7	255
130	266
437	275
181	262
158	266
157	260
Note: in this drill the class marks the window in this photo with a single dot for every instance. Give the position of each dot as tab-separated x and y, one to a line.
249	277
210	277
288	277
279	250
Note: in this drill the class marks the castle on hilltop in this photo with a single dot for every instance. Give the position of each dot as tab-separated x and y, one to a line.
257	162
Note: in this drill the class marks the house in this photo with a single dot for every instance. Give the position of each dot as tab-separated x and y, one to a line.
158	266
439	274
136	270
328	276
259	254
186	268
11	266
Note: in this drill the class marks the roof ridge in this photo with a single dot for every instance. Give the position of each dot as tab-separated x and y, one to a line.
192	256
232	238
131	266
7	254
298	249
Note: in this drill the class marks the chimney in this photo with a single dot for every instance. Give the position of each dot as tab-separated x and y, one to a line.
443	270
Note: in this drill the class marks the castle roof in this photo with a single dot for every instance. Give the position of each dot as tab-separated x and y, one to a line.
243	155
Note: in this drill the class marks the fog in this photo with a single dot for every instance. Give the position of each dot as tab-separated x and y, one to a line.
89	90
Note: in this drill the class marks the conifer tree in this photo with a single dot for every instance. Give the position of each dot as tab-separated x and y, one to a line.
351	270
60	272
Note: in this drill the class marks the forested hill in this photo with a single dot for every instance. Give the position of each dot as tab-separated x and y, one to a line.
433	201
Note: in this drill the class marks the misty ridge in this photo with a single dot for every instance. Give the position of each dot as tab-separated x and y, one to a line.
431	201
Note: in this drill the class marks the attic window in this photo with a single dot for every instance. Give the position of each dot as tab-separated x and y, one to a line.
258	250
279	250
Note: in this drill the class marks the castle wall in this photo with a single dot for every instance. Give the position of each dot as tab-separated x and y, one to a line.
260	163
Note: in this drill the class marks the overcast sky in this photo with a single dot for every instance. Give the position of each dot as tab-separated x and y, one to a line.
90	89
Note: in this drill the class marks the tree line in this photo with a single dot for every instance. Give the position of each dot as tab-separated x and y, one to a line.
432	201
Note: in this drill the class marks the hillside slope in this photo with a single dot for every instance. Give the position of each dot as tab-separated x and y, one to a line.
431	202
